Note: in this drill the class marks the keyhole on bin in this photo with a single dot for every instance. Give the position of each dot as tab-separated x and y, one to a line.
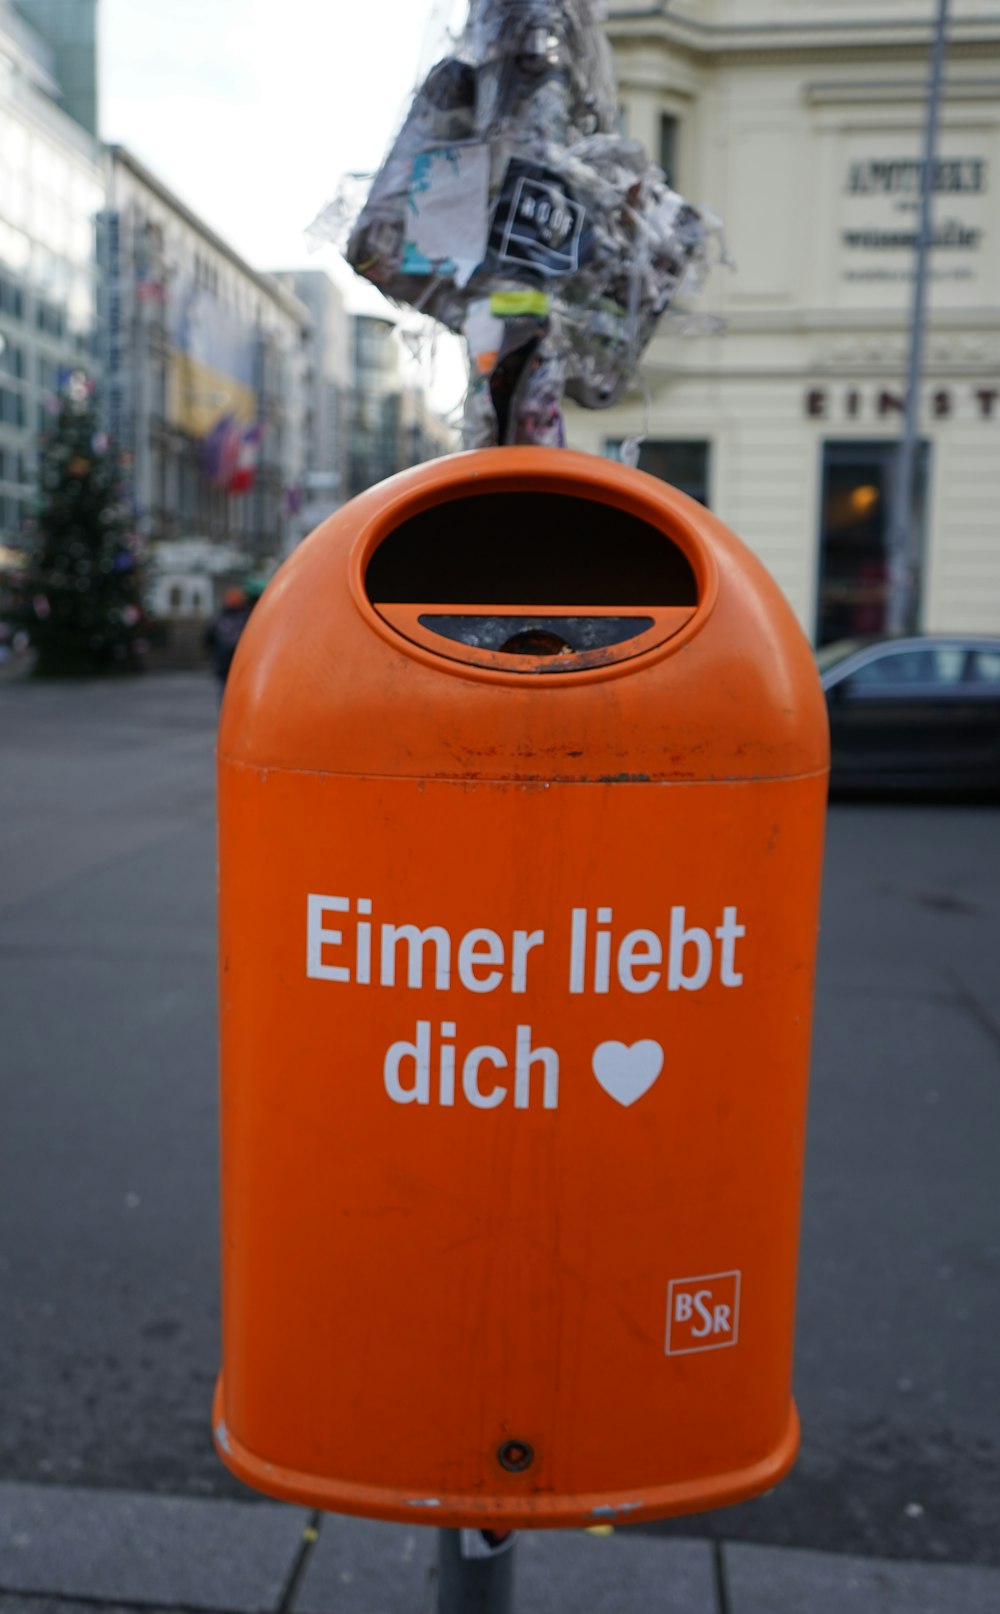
515	1456
536	642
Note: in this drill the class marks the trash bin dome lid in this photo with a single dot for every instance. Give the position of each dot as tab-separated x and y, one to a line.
323	681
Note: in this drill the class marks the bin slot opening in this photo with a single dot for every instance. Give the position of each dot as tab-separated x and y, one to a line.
550	549
537	635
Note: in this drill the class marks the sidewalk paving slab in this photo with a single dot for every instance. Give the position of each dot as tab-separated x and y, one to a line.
66	1550
122	1547
36	1604
362	1567
789	1580
576	1573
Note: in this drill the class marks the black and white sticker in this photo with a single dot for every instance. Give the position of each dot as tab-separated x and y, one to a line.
536	221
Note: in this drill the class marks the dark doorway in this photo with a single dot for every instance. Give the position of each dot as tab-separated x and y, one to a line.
858	490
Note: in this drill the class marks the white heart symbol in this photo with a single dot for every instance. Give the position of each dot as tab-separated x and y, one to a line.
626	1072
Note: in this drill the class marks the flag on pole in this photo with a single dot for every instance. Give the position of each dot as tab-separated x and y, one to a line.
220	451
244	472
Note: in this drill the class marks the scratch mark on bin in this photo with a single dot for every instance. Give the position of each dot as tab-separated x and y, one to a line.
423	1502
610	1510
222	1435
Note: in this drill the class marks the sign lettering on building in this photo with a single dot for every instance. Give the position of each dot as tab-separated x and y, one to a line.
878	218
880	403
116	392
902	176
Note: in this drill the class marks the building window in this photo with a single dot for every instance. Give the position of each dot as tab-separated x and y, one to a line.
855	522
11	407
11	299
12	360
669	137
11	515
13	466
49	318
684	463
48	374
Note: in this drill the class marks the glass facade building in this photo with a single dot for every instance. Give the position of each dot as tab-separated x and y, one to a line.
51	191
69	28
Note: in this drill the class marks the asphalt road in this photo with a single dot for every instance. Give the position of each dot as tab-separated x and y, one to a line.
108	1269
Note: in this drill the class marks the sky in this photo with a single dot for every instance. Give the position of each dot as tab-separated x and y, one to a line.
251	110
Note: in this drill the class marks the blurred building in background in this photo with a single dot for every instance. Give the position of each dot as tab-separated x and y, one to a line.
391	424
424	432
801	123
245	406
69	28
329	369
203	370
375	412
51	190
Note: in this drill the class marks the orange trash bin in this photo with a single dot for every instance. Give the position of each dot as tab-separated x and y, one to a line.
522	782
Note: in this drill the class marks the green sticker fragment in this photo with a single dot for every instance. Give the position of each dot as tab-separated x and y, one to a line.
511	304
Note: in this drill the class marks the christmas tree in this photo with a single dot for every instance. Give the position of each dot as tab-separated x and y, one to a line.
83	583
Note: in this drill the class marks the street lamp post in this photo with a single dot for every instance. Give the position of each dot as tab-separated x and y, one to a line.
901	615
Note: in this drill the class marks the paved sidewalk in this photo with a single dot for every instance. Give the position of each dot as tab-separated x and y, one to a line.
120	1550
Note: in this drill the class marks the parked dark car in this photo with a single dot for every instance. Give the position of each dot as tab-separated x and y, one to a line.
919	714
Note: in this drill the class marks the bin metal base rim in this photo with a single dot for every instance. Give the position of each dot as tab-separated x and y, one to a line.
530	1512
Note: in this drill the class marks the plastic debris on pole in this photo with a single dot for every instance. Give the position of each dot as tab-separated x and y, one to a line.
510	209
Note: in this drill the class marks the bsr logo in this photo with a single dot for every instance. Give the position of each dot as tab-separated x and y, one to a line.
703	1313
713	1318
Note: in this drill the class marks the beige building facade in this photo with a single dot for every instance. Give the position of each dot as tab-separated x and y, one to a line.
800	123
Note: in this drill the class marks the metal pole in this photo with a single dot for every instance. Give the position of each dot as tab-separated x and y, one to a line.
902	603
475	1572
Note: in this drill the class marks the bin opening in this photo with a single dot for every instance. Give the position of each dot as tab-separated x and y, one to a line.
536	642
533	635
529	548
531	582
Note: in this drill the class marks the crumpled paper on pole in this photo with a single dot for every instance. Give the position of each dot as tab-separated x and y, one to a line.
511	209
